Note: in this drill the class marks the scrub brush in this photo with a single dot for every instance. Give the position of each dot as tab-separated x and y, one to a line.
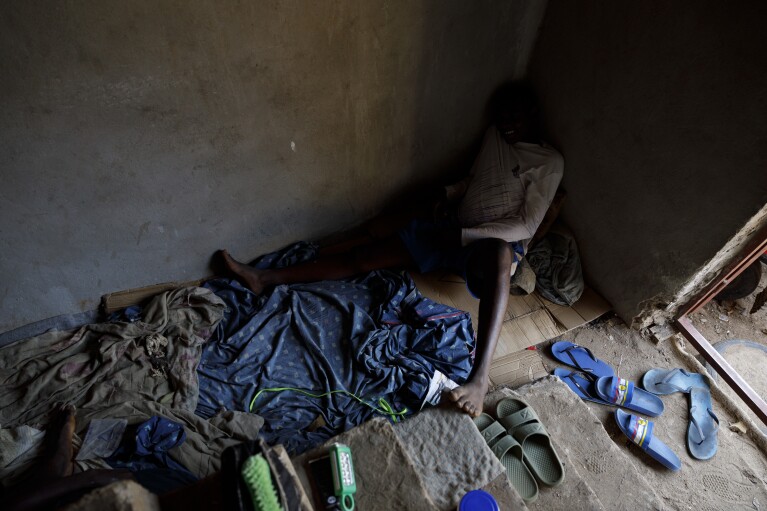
258	479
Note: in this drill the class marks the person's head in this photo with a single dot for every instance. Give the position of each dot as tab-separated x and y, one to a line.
515	113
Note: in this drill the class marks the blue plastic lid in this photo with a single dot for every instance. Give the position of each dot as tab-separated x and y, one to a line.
478	500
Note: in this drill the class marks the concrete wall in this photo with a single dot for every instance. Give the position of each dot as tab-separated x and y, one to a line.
138	137
660	109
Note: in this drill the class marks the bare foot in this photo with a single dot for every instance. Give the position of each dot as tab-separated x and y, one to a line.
249	276
469	397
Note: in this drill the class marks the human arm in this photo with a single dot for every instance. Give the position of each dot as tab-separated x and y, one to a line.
450	195
456	191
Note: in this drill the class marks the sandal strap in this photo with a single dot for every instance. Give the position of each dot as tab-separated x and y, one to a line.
621	391
673	373
640	431
492	431
587	370
694	422
523	416
666	379
522	433
677	387
571	377
506	444
697	426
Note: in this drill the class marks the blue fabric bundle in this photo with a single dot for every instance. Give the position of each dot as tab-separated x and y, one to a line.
145	453
374	336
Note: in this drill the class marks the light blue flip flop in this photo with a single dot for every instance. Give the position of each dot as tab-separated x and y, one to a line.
581	358
624	393
701	433
640	431
580	384
668	381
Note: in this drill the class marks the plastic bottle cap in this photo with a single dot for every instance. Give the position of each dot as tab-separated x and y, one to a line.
478	500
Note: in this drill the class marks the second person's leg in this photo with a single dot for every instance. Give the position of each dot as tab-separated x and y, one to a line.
379	254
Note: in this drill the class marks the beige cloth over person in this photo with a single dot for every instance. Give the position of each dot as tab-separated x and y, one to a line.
508	190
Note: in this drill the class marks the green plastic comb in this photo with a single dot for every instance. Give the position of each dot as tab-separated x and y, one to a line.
258	478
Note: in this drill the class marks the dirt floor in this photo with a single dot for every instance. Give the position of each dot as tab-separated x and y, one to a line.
740	336
736	477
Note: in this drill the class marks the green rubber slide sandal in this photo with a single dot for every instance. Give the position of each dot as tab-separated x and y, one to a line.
510	454
522	423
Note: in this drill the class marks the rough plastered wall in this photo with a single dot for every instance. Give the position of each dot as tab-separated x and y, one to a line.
660	110
138	137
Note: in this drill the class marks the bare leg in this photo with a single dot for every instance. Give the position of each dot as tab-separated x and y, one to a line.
420	204
360	237
52	484
495	258
58	446
386	253
57	454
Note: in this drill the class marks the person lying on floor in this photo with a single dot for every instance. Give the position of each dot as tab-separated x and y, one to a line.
477	228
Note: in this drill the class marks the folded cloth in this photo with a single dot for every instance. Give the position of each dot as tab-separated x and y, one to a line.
557	267
148	450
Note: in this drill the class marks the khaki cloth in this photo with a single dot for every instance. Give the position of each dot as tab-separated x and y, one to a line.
127	370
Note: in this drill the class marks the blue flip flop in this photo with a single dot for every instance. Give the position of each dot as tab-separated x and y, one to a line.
668	381
701	433
581	358
640	431
624	393
580	384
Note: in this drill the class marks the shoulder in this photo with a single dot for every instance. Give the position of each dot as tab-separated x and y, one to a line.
541	155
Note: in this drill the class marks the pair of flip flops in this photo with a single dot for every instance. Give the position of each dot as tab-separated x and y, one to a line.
522	444
702	432
596	381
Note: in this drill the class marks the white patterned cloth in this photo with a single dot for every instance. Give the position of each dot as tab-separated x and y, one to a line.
508	190
19	447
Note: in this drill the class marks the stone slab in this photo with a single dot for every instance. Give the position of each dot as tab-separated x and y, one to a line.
573	493
386	477
120	496
449	453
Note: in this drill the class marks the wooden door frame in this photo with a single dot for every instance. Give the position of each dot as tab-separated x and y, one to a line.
750	253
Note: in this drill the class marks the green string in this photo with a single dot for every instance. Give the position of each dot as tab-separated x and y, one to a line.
384	408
